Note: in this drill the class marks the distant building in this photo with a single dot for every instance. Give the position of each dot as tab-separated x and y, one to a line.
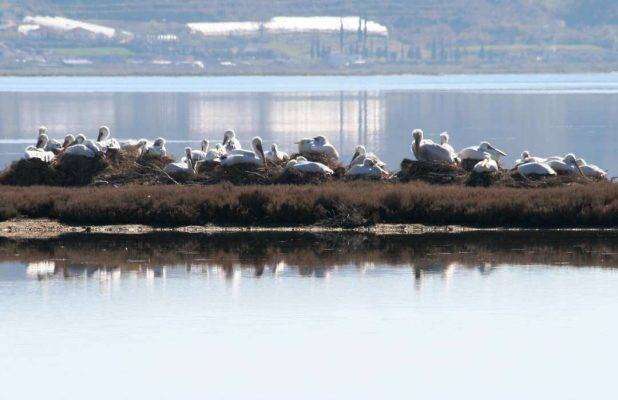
61	24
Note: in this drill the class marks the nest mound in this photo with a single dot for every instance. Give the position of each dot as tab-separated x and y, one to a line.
79	170
29	173
291	176
514	179
330	162
485	179
431	172
243	174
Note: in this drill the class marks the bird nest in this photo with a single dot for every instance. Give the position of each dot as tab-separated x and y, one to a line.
431	172
330	162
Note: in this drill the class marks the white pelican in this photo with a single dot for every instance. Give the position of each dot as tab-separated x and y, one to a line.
83	147
157	149
185	167
444	138
527	158
105	140
52	145
427	150
368	168
275	155
230	143
207	154
301	164
566	165
478	152
487	165
319	145
535	168
135	147
590	170
239	156
38	151
360	155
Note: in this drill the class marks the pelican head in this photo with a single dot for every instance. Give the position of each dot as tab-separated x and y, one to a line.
570	159
486	147
525	154
444	137
103	133
42	141
159	142
42	129
358	151
228	135
257	147
417	134
80	139
68	140
205	145
320	140
274	148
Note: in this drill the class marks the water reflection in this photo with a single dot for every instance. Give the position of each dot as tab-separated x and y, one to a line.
232	256
540	122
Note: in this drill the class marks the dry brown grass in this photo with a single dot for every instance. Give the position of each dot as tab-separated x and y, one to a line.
332	203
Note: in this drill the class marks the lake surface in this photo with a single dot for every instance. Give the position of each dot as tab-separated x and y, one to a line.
546	114
279	316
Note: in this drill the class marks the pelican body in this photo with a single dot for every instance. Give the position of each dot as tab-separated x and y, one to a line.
38	151
487	165
535	169
368	169
428	151
184	167
275	155
361	154
157	148
478	152
318	145
239	156
301	164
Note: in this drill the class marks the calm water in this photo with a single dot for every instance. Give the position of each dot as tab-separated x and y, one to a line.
172	316
546	114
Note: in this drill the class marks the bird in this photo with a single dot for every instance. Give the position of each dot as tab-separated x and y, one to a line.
83	147
526	158
318	145
157	148
444	138
38	151
478	152
488	165
301	164
134	147
535	168
361	154
275	155
369	168
105	140
186	167
206	154
427	150
566	165
590	170
230	143
52	145
239	156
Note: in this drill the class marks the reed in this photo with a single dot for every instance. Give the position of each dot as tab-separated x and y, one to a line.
345	204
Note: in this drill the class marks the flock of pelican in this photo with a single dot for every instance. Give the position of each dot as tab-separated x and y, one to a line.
484	157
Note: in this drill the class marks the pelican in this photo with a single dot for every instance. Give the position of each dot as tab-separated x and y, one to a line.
535	168
185	167
275	155
488	165
105	140
301	164
526	157
319	145
83	147
566	165
590	170
135	147
52	145
478	152
38	151
230	143
206	154
427	150
444	138
157	149
239	156
369	168
360	155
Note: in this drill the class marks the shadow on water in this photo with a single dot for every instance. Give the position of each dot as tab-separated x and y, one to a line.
311	254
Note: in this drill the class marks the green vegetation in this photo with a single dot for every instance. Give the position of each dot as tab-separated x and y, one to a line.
93	52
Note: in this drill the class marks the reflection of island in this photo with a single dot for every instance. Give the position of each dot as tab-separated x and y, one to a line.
229	256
